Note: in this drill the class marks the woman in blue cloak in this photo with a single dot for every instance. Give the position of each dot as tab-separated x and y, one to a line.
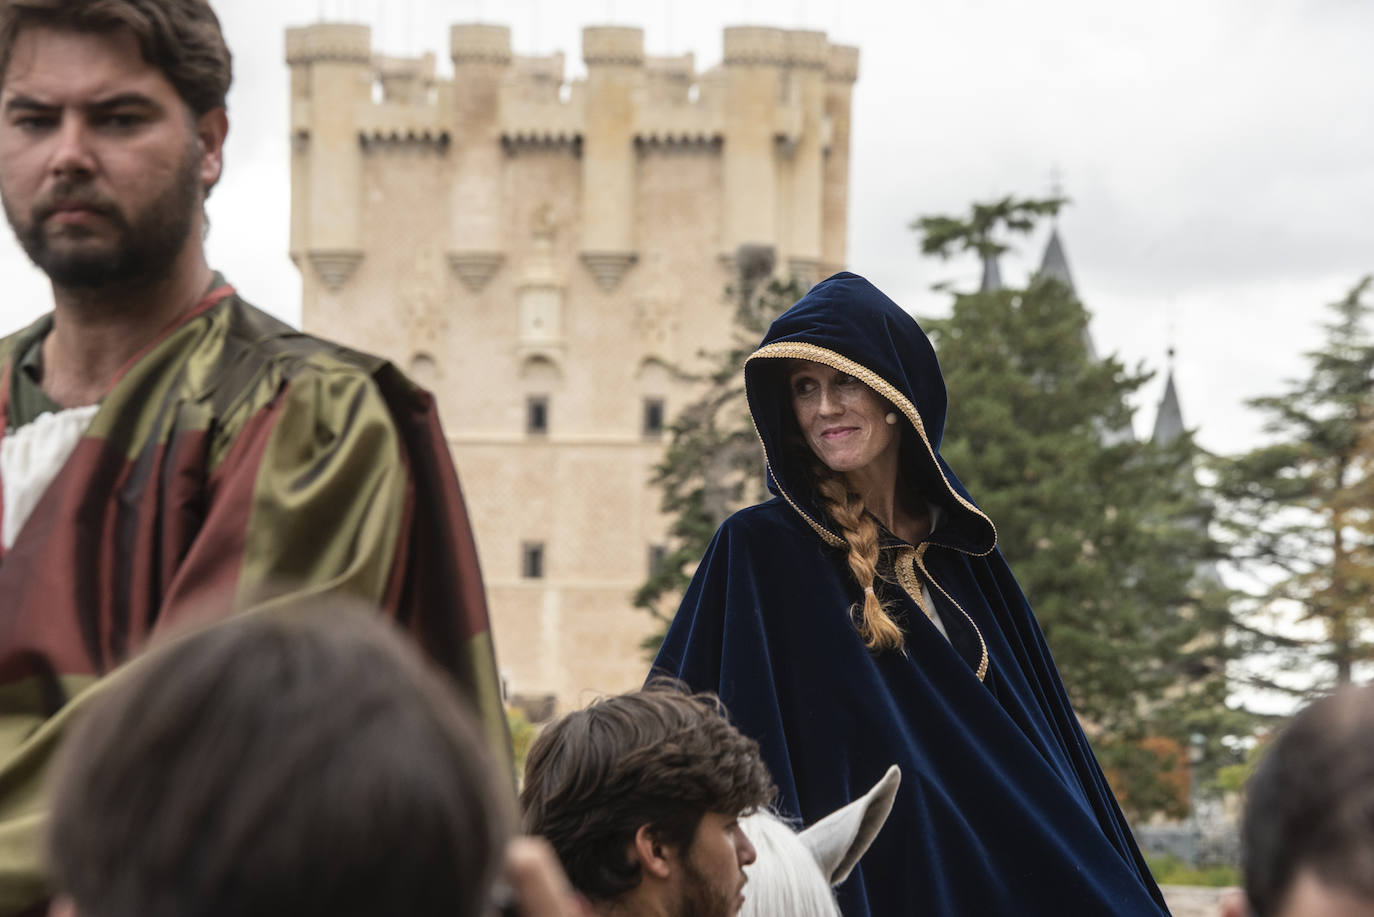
864	617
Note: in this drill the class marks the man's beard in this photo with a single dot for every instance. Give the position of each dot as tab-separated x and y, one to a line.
700	897
143	248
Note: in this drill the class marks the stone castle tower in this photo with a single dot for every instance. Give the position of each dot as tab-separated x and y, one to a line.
541	256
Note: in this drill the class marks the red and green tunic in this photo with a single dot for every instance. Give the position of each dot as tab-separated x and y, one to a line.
234	464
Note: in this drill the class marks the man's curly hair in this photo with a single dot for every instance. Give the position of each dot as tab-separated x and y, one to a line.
657	757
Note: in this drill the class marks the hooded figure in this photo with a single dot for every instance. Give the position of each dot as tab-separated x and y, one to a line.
847	630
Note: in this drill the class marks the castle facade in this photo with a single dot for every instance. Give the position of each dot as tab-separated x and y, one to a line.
542	255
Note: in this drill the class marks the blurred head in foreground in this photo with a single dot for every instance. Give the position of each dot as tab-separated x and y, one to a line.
641	796
1308	831
299	763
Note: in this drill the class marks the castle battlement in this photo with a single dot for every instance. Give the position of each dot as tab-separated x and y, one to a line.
751	45
671	102
479	43
623	45
808	50
329	41
842	64
405	80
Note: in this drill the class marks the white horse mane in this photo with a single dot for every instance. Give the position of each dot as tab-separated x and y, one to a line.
794	872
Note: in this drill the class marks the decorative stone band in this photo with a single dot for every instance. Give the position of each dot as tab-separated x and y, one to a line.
479	43
745	45
842	65
335	265
475	268
798	350
329	42
373	141
603	45
808	50
609	267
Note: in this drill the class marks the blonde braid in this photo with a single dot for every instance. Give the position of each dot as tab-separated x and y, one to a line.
860	531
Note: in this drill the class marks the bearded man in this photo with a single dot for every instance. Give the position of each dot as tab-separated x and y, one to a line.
640	796
166	449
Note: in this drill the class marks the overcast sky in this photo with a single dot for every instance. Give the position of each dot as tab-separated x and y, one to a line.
1220	155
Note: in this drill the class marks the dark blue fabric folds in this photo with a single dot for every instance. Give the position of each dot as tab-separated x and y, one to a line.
1002	807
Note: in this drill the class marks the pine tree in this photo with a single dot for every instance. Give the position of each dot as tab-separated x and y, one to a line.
1301	509
1106	534
713	464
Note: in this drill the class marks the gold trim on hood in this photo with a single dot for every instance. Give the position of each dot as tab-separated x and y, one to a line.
799	350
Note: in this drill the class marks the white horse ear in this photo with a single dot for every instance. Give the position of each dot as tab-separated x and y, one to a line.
842	837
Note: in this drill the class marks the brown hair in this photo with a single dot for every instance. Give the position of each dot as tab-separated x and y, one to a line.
860	532
182	38
1310	804
656	757
288	764
858	528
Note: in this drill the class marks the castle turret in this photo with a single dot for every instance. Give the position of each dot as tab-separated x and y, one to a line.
754	60
800	216
331	75
481	59
841	70
614	56
405	80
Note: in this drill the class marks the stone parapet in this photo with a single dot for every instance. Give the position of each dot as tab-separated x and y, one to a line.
807	49
685	123
405	80
842	65
745	45
479	43
608	44
523	118
329	41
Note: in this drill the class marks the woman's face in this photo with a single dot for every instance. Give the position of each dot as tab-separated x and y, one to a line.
843	420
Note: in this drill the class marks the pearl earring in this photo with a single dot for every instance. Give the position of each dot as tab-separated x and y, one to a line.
891	418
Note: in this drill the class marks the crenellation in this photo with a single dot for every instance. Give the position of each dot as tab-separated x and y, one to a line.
535	79
612	45
807	49
405	80
753	45
842	64
669	81
329	41
471	43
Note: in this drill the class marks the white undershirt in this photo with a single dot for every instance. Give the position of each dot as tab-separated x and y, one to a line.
928	606
30	457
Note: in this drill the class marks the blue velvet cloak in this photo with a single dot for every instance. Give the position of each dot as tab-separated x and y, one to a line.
1002	808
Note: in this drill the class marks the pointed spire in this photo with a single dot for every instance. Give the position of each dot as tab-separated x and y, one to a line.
1055	264
992	275
1169	418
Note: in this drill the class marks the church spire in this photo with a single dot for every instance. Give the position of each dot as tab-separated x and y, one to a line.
1055	264
992	275
1169	418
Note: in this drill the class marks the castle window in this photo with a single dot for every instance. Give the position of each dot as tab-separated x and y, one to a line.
532	560
537	415
658	553
653	417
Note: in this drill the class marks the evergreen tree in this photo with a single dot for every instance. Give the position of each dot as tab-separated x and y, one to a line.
1301	509
1106	534
713	464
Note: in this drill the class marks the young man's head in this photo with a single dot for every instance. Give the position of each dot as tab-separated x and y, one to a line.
1308	829
640	795
279	765
112	127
